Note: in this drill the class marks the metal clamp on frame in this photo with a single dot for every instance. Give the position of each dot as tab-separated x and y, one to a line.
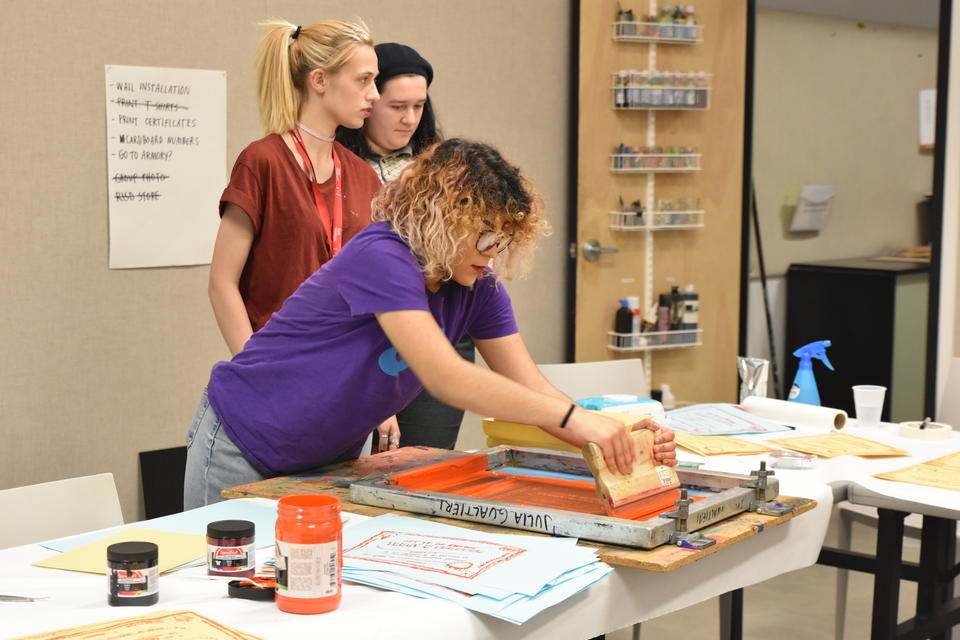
681	536
762	504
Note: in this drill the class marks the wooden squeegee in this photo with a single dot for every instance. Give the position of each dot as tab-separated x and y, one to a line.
647	486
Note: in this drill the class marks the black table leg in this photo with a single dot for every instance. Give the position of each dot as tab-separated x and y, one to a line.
886	582
731	615
937	557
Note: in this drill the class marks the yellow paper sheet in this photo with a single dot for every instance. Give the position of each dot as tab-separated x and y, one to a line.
952	460
159	624
942	473
830	445
719	445
175	549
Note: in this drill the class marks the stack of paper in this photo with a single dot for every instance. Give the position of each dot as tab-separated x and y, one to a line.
512	577
719	419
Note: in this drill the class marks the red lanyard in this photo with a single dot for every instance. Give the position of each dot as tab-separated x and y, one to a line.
334	230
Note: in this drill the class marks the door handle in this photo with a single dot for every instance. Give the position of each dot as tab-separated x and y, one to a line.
592	250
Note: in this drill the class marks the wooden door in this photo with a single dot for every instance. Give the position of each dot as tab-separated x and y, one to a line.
650	262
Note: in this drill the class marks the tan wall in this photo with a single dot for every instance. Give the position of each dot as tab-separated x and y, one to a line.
837	103
101	364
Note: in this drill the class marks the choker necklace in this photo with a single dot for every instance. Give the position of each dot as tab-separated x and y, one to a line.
315	134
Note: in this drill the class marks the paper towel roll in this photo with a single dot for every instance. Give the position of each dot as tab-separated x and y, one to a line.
796	414
930	431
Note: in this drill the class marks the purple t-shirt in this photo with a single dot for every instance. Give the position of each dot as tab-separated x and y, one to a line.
310	385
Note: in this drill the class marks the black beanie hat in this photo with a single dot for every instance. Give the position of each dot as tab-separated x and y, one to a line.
396	59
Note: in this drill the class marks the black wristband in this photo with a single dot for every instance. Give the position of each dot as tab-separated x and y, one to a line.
563	422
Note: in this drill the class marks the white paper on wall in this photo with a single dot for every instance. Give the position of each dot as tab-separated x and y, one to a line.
166	164
928	116
812	207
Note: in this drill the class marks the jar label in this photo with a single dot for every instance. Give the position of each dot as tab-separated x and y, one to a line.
133	584
308	570
230	559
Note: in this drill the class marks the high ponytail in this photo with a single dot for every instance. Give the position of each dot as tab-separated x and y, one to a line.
283	63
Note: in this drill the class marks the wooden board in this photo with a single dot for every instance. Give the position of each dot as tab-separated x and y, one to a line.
335	480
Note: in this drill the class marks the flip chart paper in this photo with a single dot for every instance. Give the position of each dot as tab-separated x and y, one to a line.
166	164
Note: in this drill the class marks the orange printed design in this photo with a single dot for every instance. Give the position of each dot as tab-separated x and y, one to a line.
457	557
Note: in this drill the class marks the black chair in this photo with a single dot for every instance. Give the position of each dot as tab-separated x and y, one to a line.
161	474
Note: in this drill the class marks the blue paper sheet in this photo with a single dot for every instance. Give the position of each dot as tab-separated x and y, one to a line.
263	516
512	577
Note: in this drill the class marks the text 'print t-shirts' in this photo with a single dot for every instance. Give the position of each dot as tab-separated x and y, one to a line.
289	239
310	386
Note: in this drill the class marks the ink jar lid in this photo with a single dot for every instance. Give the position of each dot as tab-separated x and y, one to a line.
230	529
132	552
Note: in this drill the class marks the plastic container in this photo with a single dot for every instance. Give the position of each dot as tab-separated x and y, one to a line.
133	579
792	460
804	387
230	548
309	553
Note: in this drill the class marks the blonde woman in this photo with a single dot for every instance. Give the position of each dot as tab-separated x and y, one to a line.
353	344
296	196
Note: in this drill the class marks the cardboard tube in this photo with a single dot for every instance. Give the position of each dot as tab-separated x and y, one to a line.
796	414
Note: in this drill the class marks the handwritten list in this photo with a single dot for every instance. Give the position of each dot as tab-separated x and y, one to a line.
166	163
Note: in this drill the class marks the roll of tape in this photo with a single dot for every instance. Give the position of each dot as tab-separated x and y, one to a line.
929	431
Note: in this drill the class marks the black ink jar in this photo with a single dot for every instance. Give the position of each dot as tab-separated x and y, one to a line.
230	548
132	574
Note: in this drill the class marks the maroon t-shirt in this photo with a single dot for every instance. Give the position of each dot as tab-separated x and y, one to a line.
289	241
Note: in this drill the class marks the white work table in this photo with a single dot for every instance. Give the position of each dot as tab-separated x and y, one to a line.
852	479
624	597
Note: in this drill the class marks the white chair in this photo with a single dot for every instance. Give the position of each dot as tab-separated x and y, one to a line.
588	379
59	508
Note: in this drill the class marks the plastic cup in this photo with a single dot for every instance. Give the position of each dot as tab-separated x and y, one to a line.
868	401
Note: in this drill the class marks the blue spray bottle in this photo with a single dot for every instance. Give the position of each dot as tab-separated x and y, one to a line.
804	387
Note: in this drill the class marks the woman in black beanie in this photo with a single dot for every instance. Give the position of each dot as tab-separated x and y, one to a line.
401	125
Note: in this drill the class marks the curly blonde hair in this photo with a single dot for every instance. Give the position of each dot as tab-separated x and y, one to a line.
438	203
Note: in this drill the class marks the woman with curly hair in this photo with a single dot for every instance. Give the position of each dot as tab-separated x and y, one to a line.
354	343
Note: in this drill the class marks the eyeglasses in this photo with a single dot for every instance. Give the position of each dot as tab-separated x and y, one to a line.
489	239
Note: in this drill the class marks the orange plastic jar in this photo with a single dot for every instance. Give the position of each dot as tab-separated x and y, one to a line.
308	553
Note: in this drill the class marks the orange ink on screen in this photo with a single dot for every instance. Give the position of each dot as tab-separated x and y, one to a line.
470	477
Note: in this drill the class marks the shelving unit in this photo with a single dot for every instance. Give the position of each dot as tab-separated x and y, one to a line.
655	220
658	90
661	249
666	33
654	162
654	340
652	90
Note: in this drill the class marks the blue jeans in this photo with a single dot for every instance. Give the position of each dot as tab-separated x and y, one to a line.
214	462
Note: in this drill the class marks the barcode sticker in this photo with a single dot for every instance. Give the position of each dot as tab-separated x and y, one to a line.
308	570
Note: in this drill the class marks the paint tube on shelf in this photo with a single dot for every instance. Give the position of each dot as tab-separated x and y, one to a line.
691	313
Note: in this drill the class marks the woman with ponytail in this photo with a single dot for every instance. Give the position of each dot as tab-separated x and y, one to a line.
296	196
